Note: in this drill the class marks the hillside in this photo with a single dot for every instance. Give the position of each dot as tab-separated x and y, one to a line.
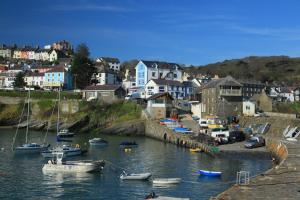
276	69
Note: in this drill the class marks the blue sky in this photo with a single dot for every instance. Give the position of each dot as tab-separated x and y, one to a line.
184	31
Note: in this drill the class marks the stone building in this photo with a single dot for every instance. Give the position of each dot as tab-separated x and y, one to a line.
160	105
262	101
222	97
106	93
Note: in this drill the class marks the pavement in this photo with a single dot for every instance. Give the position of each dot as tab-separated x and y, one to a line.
280	182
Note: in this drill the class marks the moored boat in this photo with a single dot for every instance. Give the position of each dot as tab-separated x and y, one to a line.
63	133
82	166
166	180
141	176
152	195
31	148
209	173
98	141
66	149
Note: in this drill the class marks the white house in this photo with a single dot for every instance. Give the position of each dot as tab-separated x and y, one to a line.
114	63
104	76
248	108
44	55
34	79
53	55
147	70
287	94
175	88
31	54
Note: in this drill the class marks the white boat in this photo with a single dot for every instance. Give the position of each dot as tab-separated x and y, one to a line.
63	133
82	166
66	149
166	180
27	147
142	176
97	141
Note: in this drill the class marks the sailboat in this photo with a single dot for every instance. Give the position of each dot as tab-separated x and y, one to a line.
27	147
66	149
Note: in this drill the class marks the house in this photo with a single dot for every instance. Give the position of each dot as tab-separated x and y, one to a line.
128	83
34	79
297	93
6	52
222	97
106	93
175	88
248	108
262	101
147	70
57	77
113	63
17	53
54	55
251	88
160	105
287	94
105	76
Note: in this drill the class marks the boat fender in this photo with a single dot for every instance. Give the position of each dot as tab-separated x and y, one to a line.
77	146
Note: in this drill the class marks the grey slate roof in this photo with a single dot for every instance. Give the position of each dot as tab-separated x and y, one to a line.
167	82
157	95
102	87
161	65
227	81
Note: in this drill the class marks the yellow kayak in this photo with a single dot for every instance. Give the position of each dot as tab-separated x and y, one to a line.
196	150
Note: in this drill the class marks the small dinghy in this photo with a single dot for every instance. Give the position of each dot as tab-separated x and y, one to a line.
142	176
195	150
98	141
82	166
209	173
166	180
63	133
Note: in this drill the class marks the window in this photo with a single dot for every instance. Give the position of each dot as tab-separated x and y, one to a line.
160	75
177	88
150	87
153	74
175	75
159	101
161	88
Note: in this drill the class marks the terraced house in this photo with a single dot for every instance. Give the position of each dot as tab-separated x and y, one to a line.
58	77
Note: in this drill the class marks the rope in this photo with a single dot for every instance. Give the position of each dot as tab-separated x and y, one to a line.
15	136
48	127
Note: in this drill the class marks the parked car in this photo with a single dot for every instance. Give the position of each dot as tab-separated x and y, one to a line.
236	136
133	96
254	142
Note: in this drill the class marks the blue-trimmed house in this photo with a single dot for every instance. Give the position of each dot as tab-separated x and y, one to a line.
57	77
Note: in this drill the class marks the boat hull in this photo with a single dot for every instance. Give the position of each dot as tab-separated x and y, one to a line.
144	176
49	154
166	180
29	150
74	167
209	173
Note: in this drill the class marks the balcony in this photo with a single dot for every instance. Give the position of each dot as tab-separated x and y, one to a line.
231	92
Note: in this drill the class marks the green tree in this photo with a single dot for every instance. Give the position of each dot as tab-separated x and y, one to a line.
19	81
82	67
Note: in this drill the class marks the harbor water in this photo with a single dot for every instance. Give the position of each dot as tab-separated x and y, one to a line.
21	176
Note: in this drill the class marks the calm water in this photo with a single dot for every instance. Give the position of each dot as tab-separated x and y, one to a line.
21	177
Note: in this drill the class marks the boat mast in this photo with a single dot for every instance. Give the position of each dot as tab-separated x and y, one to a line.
58	104
27	117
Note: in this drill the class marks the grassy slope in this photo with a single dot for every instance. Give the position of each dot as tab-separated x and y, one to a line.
280	69
41	94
